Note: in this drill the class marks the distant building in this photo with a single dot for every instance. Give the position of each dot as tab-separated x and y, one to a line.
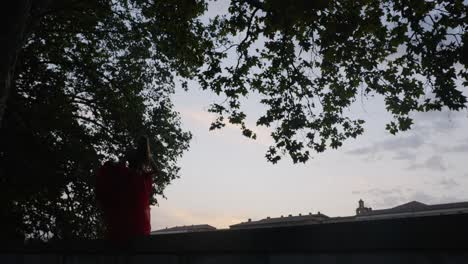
362	209
184	229
282	221
363	213
411	209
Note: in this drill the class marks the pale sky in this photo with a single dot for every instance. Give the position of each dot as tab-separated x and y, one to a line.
225	178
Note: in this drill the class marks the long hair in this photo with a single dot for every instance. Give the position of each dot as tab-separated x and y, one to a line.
141	157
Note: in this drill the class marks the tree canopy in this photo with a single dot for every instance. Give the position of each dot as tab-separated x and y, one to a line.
310	60
90	76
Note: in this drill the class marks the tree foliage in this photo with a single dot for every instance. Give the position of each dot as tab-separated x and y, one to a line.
90	78
310	60
92	75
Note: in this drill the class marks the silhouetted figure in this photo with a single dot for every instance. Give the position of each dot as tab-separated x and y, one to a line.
124	192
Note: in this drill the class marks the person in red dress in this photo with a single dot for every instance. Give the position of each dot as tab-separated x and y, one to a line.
123	193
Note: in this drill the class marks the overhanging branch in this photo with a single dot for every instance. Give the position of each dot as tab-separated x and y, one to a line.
255	3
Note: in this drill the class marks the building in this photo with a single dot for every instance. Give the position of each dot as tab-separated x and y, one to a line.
411	209
362	209
363	213
289	220
184	229
395	237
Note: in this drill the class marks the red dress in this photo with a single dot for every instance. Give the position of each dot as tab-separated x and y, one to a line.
124	197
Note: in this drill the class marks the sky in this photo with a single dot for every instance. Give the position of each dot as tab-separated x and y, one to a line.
226	179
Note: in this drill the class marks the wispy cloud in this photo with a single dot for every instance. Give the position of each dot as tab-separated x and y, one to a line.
429	131
363	150
443	121
205	118
449	183
435	163
432	199
460	148
422	150
379	191
379	198
383	198
405	155
401	145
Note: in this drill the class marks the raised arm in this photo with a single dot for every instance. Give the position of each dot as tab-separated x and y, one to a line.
153	166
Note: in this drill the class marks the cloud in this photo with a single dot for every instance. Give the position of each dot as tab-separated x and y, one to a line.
401	145
438	121
201	117
423	197
205	118
460	148
405	155
431	130
411	142
449	183
435	163
383	198
378	198
379	191
432	199
362	151
391	201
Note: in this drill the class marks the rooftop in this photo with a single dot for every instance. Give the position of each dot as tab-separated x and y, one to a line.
188	228
416	206
288	220
410	209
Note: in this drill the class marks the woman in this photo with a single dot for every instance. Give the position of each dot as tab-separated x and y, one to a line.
142	167
124	192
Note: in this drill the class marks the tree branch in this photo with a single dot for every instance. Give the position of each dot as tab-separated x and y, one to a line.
255	3
56	9
247	36
96	123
